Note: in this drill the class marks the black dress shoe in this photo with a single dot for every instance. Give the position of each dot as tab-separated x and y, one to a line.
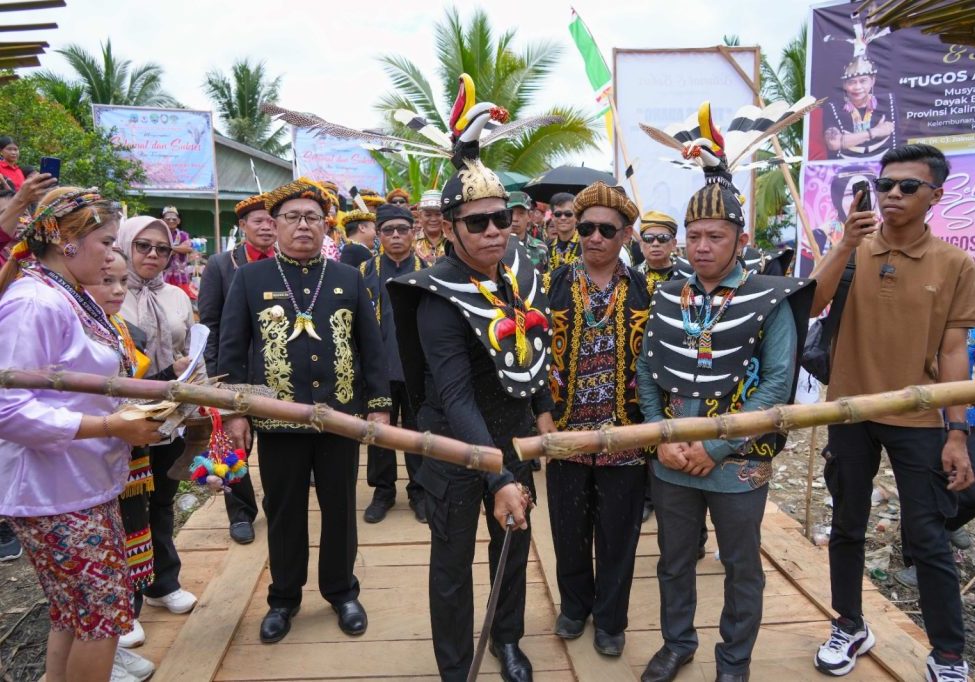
607	644
352	617
732	677
376	511
277	623
566	628
515	666
647	511
419	509
242	532
664	665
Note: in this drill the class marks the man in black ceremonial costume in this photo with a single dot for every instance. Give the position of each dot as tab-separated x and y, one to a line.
479	320
305	328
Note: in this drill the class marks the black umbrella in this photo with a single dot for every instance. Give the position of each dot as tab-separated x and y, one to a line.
571	179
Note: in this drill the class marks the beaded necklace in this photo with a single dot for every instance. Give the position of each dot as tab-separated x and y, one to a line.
303	320
517	310
699	331
567	255
583	279
92	318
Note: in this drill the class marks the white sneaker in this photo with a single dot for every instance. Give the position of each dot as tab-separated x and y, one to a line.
179	601
119	674
136	666
838	654
935	672
133	639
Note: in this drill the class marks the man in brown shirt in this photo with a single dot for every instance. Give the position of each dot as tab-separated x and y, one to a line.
906	322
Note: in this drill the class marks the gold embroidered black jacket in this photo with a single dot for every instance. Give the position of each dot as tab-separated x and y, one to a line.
346	369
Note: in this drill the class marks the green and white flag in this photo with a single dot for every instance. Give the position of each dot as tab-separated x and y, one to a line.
600	77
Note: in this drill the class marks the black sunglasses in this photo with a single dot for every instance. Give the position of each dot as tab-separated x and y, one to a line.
399	201
562	214
659	238
390	229
587	229
907	186
144	247
478	222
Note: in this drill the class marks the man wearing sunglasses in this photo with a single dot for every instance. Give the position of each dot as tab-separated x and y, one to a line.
396	258
565	248
521	206
725	340
478	320
399	197
176	273
905	323
599	311
304	327
260	233
360	233
431	243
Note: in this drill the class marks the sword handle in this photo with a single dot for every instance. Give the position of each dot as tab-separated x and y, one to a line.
509	522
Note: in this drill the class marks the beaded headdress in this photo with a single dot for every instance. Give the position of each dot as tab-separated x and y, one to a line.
254	203
302	188
601	194
371	197
356	216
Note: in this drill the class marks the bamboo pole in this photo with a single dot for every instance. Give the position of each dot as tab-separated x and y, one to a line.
319	416
809	480
618	128
784	167
777	419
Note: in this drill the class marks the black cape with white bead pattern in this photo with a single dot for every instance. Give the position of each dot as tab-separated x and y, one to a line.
449	278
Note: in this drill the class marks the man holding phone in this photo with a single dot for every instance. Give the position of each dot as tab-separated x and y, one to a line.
906	279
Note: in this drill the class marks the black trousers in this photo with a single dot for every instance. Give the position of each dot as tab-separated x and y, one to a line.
737	519
287	461
242	504
381	462
162	519
454	512
926	503
602	504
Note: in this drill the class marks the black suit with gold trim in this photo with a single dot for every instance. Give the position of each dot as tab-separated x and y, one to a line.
346	369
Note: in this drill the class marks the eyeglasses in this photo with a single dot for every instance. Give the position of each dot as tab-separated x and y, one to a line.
587	229
399	201
144	247
562	214
659	238
388	230
907	186
294	217
171	220
478	222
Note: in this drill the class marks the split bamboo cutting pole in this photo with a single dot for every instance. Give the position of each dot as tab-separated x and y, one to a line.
320	416
777	419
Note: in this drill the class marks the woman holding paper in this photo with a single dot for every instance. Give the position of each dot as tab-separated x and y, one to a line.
165	314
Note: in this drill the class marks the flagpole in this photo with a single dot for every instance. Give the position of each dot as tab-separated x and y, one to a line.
628	172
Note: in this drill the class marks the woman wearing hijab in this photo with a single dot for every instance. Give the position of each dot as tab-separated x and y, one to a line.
165	314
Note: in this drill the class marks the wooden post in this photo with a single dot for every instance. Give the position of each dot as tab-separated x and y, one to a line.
789	182
626	157
809	481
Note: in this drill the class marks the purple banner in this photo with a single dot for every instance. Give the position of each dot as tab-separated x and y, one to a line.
344	162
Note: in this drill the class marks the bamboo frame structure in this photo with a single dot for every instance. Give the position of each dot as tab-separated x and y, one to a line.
781	418
319	416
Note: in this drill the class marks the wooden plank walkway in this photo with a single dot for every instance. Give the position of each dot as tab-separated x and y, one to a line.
219	640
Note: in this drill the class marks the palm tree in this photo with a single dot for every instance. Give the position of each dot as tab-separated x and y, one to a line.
108	80
68	94
238	99
501	75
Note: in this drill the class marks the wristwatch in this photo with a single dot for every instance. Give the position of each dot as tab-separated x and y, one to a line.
959	426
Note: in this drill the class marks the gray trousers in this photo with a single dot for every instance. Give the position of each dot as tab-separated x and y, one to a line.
737	519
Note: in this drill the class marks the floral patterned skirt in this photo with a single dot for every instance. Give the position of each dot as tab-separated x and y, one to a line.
79	558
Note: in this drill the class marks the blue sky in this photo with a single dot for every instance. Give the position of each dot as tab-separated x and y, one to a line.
326	51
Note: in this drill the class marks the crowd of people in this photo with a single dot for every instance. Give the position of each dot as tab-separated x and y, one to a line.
468	315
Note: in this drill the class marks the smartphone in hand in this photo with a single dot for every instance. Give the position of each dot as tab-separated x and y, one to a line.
52	165
865	203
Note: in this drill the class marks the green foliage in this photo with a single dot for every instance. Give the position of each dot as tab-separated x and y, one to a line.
45	128
238	99
103	79
502	75
413	173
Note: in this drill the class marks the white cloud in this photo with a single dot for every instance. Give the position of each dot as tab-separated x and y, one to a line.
326	51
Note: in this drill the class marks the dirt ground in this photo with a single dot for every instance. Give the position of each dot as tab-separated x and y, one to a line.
23	610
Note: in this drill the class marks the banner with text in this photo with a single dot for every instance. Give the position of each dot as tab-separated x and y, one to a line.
175	146
661	87
344	162
884	89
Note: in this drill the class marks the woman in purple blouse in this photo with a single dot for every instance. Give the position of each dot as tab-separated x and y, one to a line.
64	456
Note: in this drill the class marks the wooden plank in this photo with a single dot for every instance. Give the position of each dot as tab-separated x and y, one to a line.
199	648
11	28
807	567
26	5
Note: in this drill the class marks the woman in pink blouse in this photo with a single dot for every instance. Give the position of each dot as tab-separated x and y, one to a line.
64	456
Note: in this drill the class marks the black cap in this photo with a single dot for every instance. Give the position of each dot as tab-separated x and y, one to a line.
387	212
